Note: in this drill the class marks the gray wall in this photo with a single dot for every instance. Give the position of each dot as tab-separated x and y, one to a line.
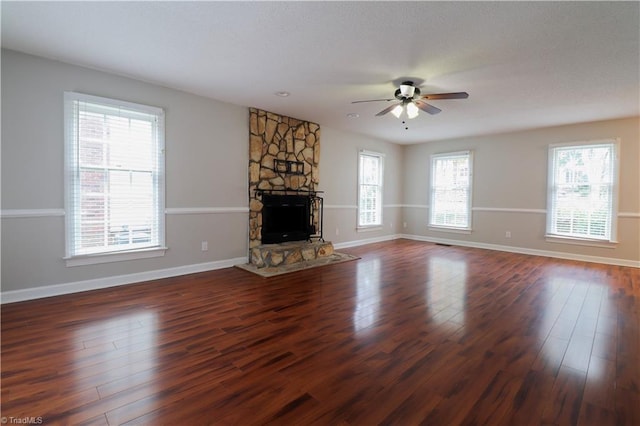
207	145
509	187
339	179
206	168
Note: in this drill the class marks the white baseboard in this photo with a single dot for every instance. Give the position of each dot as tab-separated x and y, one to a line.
523	250
98	283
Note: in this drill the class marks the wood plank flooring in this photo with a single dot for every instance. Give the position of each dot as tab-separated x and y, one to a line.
412	333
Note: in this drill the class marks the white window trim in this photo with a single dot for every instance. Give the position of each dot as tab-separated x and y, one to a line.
590	242
449	229
367	228
114	256
377	226
93	259
453	229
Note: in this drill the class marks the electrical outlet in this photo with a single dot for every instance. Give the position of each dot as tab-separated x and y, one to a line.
507	234
404	224
337	231
205	245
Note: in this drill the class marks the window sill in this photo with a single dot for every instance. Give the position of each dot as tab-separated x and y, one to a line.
369	228
93	259
580	241
448	229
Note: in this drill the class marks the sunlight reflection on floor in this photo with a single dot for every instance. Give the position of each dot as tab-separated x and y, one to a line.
117	349
445	295
368	294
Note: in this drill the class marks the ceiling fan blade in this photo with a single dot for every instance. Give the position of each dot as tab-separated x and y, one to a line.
426	107
372	100
455	95
387	109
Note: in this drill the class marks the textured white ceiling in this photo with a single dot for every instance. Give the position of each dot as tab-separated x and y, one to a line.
524	64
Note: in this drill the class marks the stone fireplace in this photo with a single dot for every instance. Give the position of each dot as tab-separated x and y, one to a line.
284	155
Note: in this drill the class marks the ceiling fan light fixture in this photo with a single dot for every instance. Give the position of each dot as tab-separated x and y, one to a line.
407	90
412	110
410	96
397	111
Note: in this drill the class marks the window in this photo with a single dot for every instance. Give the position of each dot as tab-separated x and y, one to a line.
582	191
451	191
370	189
114	178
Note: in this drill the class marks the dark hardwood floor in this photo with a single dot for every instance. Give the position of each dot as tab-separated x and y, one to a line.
412	333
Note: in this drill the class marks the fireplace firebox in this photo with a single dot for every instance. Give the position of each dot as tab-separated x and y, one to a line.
290	215
285	218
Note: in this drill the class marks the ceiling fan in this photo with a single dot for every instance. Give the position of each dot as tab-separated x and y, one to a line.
411	100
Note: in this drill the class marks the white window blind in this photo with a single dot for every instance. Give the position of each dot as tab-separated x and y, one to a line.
370	189
582	191
114	179
451	190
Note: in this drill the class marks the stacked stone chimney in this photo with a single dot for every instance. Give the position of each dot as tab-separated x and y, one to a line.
274	137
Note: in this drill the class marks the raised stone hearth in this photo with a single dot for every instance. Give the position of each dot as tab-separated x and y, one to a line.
270	260
274	255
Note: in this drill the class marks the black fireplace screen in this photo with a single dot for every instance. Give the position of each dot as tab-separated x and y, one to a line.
286	218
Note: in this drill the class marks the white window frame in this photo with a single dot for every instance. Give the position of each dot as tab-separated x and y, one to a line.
156	246
432	193
379	205
552	234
